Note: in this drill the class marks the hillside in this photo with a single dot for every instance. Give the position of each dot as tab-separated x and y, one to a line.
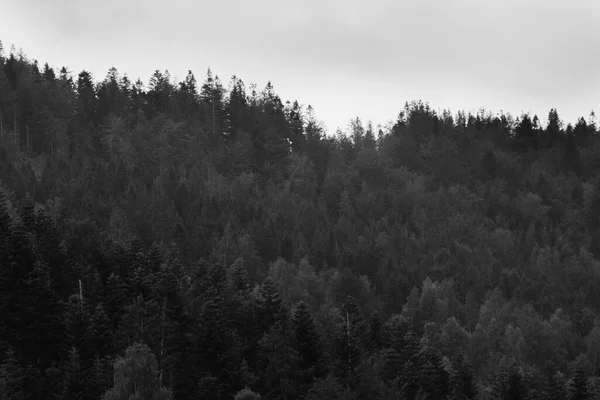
203	238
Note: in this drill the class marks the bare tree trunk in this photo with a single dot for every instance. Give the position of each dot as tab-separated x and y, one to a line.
80	295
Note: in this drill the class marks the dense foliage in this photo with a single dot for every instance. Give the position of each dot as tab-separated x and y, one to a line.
190	241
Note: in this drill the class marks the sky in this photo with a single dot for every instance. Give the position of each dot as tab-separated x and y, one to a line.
346	58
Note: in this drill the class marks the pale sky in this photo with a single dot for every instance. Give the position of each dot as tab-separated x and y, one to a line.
346	58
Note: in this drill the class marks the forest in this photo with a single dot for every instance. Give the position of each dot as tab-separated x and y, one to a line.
207	240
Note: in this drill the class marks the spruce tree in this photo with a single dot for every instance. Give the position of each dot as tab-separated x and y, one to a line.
391	367
578	383
279	364
462	381
271	304
307	343
571	161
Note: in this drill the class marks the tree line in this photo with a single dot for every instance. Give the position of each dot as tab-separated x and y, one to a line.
182	240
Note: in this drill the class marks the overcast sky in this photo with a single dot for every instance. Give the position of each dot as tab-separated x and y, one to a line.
346	58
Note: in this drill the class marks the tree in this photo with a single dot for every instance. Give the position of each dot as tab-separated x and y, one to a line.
578	383
571	161
11	377
307	343
247	394
136	376
213	106
279	364
553	129
462	379
78	330
296	126
525	134
236	109
391	365
271	304
75	377
159	93
86	97
329	388
509	383
188	96
432	376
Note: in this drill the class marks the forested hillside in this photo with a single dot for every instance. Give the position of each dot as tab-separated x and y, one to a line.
205	240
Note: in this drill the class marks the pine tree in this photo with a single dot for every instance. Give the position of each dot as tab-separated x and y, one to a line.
330	388
509	383
409	376
236	109
86	98
188	94
216	350
307	343
279	362
159	93
571	161
376	332
296	127
432	376
43	332
102	336
348	347
394	332
78	330
213	106
462	381
555	386
75	377
238	278
578	384
11	377
525	134
356	320
553	129
410	349
391	365
53	383
115	297
271	304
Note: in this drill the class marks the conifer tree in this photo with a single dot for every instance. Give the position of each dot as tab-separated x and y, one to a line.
271	304
578	383
307	343
553	129
296	127
391	365
78	330
86	98
509	383
75	377
525	134
571	161
462	380
279	361
432	376
11	377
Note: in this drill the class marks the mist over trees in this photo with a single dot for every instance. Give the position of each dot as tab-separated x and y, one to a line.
207	239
